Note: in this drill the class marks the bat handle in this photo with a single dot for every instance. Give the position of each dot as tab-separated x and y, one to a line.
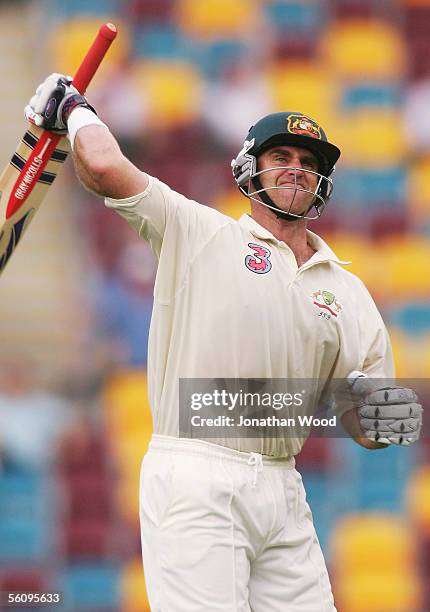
105	36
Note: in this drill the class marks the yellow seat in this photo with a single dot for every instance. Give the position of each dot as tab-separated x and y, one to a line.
172	91
425	372
216	18
232	203
408	358
133	590
353	548
128	452
363	49
129	428
357	249
419	189
71	40
126	403
372	137
406	267
379	591
305	87
374	564
418	498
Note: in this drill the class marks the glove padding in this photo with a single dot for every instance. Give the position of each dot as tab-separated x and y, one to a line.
389	415
53	102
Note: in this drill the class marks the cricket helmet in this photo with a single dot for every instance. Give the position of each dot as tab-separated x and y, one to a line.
286	128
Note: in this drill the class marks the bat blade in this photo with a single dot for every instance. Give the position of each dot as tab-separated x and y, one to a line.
22	191
38	158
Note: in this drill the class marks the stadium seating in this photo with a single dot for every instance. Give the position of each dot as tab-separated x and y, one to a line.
354	550
416	26
133	589
373	95
91	586
379	592
73	8
25	517
372	188
70	40
364	49
419	191
358	250
216	18
305	87
412	317
129	424
372	138
215	57
232	203
161	42
293	18
407	359
355	9
418	498
126	402
406	264
149	12
172	91
374	563
346	63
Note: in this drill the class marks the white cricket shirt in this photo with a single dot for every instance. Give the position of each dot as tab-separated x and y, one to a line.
230	302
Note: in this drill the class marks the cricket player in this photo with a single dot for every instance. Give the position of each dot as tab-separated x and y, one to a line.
225	524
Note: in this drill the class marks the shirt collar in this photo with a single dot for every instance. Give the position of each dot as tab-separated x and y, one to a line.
323	251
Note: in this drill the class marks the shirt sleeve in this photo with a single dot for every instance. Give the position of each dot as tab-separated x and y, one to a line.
159	208
376	357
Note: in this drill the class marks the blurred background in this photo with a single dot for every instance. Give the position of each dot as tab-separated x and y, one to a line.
180	87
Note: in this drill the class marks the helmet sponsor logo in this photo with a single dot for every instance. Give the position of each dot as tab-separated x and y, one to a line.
326	300
259	262
300	124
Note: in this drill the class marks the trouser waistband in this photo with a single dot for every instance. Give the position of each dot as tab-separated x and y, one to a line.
201	447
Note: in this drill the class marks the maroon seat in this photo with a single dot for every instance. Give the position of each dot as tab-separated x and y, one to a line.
89	495
150	11
83	451
315	455
23	579
87	539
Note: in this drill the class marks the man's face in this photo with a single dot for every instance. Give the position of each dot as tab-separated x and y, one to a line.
298	160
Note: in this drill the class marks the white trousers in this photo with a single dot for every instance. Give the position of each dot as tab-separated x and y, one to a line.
226	530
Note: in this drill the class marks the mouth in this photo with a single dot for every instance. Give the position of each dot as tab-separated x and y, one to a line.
291	184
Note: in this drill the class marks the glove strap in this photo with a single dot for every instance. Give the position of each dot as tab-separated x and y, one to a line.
71	103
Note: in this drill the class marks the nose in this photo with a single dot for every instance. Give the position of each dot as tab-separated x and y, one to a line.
297	163
295	172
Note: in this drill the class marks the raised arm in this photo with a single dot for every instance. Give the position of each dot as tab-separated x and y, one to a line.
99	162
101	166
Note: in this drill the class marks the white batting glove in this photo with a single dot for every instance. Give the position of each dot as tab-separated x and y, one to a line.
389	415
53	102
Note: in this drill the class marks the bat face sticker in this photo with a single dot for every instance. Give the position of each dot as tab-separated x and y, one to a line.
16	232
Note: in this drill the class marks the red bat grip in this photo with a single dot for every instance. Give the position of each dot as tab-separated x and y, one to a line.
106	35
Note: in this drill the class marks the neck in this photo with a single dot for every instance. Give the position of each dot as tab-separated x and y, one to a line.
293	233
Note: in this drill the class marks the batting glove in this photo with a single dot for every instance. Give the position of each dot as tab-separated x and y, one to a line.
389	415
53	102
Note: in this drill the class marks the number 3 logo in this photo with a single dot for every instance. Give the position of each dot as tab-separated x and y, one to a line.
259	262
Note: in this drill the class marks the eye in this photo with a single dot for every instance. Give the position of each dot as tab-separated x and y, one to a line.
310	164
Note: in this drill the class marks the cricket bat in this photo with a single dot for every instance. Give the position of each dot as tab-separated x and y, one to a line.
38	158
